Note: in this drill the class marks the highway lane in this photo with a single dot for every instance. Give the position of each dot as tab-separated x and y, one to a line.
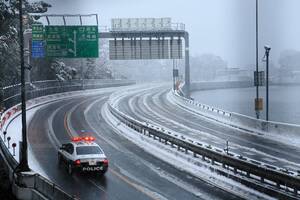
276	149
153	105
46	153
133	173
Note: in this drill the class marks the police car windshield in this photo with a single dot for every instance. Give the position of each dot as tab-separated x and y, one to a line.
86	150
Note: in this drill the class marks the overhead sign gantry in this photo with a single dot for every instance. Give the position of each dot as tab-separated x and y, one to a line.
129	39
148	38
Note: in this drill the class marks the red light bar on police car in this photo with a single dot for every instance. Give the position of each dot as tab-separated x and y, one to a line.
76	139
87	139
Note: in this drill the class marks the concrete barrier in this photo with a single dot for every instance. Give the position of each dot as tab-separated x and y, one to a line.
288	132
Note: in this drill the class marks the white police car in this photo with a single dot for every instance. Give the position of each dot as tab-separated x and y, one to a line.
83	155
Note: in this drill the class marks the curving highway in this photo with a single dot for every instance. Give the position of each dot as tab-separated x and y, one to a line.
133	173
155	106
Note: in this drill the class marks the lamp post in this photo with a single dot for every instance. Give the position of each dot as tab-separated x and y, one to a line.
23	165
267	53
257	85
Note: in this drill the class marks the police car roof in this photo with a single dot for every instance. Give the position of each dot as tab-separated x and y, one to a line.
84	143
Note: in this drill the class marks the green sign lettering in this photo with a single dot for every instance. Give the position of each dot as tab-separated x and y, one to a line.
72	41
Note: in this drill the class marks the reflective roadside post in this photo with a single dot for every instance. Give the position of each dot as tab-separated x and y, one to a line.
227	147
4	135
8	140
14	148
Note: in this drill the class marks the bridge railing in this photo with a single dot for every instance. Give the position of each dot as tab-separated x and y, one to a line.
49	189
39	186
277	182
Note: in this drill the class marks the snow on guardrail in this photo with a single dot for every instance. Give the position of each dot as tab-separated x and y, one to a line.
272	176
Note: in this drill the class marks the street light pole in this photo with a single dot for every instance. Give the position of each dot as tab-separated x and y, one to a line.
267	53
23	165
257	85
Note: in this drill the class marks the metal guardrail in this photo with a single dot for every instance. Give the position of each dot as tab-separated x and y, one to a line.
8	160
269	179
11	94
42	187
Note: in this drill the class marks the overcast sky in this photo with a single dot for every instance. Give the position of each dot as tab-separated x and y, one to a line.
222	27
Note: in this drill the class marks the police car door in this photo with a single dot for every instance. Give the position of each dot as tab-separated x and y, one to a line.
69	153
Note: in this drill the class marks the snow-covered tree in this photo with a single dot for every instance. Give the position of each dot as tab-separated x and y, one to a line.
90	67
63	72
9	42
93	70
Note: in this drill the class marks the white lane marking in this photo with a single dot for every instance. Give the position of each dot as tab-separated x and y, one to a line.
269	160
141	186
95	129
291	167
98	186
218	143
70	113
249	153
51	135
256	152
232	146
168	156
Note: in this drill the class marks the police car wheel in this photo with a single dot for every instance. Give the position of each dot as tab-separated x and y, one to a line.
70	169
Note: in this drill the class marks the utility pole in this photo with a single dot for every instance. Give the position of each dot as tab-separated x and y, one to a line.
267	53
81	69
23	165
257	84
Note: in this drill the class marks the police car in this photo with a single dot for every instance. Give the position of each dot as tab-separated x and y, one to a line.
82	154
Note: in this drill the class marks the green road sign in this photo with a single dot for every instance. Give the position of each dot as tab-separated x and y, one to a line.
37	44
72	41
37	32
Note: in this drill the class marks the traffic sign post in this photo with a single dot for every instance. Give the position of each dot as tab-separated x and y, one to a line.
38	44
72	41
38	49
259	78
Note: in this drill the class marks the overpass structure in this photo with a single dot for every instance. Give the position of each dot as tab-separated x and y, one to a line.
130	39
157	34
